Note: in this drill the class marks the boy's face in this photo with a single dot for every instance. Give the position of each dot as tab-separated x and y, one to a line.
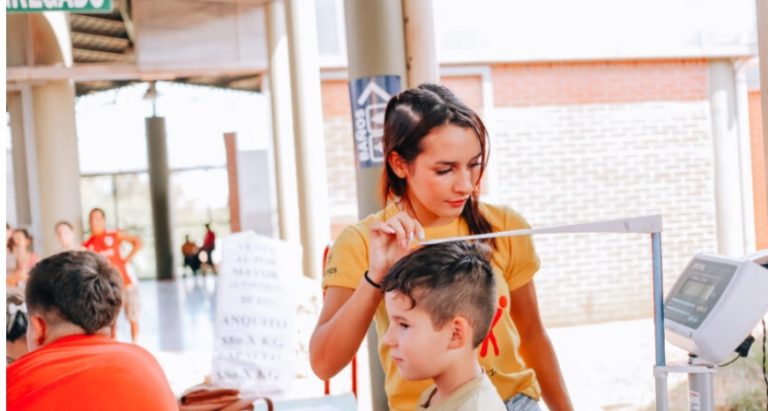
415	346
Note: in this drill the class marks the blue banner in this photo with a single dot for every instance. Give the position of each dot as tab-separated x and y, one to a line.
369	97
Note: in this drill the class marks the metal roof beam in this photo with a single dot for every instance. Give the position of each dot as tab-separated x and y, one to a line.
96	72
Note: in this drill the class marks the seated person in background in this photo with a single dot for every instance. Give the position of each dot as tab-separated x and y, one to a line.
190	252
15	325
440	300
73	299
25	258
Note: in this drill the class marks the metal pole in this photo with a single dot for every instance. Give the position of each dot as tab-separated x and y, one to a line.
701	394
658	321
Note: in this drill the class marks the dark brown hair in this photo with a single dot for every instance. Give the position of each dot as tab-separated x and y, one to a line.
412	115
96	210
447	280
79	287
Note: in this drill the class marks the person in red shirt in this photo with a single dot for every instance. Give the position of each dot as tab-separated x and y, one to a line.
209	244
73	299
107	243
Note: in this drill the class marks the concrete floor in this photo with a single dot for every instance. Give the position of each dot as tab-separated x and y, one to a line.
606	366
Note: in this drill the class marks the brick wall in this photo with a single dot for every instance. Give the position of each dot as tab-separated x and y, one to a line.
580	142
582	163
339	155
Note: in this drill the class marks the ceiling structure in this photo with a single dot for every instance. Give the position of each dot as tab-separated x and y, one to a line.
110	39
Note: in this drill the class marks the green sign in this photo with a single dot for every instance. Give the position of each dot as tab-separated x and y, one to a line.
76	6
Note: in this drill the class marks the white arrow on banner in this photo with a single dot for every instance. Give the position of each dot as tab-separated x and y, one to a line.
372	87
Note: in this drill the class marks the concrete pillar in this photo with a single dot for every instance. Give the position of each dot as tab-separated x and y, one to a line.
421	53
43	126
725	133
376	47
19	159
308	133
762	42
282	128
57	193
157	159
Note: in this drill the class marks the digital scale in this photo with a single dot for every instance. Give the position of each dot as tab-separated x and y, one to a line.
714	305
711	309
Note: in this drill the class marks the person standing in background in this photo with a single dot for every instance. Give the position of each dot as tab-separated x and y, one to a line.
209	244
107	243
65	235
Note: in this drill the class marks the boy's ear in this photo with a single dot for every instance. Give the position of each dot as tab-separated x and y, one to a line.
398	164
461	333
37	331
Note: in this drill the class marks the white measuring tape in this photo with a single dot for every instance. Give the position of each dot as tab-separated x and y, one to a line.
645	224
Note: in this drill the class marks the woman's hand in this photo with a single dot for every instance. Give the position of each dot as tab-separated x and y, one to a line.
389	242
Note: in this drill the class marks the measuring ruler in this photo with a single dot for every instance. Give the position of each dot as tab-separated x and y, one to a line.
645	224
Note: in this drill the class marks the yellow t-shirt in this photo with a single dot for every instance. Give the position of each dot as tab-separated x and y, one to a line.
514	262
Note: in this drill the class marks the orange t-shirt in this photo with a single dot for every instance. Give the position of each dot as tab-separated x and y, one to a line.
88	372
108	244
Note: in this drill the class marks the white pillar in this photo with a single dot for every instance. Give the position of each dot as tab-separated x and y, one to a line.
745	156
308	133
725	133
283	149
420	48
57	168
14	105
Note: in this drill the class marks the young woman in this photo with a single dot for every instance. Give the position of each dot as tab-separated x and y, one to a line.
436	150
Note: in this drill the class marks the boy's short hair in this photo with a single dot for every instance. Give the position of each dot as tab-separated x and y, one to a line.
79	287
447	280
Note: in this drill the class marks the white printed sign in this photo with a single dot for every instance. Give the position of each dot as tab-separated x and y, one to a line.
255	336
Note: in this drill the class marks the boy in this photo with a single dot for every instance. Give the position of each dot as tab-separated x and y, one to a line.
73	299
440	300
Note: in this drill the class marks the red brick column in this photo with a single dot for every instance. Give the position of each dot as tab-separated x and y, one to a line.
230	143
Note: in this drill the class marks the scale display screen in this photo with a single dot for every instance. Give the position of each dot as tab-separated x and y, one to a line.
697	291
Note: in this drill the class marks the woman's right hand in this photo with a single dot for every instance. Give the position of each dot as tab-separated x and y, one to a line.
389	242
